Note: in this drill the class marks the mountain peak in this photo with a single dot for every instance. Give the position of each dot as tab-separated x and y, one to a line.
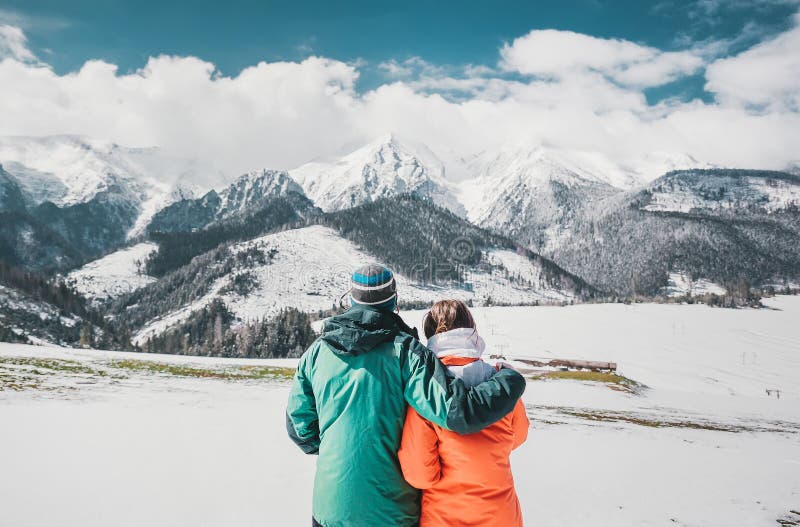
383	167
253	188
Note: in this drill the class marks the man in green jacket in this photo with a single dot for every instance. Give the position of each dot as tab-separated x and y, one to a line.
348	403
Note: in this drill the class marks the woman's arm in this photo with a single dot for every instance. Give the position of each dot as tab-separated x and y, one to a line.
419	452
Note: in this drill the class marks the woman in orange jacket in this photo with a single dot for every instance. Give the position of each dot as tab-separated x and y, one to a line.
466	479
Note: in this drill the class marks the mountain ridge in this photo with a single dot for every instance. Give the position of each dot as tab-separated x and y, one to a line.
552	201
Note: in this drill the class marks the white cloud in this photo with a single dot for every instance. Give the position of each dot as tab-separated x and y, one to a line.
558	54
478	70
411	66
14	44
269	114
765	76
395	69
282	114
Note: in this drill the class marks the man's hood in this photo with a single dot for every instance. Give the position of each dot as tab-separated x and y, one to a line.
361	328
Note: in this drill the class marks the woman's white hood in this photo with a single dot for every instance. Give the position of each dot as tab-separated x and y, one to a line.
466	343
461	342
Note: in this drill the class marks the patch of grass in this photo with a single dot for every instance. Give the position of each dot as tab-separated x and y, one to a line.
235	373
18	383
658	422
35	365
29	373
268	372
612	380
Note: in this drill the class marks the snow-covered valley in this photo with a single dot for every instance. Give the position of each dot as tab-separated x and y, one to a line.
108	438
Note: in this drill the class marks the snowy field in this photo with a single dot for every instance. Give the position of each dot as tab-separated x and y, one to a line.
101	438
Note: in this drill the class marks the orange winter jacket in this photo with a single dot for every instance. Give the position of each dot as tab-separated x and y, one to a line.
466	479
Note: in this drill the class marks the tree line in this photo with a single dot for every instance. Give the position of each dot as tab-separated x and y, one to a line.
214	331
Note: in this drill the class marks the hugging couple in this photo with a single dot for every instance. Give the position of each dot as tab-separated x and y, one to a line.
390	417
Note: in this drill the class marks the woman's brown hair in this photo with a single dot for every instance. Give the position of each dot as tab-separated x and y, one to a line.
446	315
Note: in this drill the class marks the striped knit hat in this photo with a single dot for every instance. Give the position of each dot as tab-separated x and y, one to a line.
374	285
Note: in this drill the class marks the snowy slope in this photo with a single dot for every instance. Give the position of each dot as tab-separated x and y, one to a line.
384	167
686	191
115	274
311	270
681	284
31	318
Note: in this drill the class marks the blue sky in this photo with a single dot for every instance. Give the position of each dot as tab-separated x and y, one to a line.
242	85
239	33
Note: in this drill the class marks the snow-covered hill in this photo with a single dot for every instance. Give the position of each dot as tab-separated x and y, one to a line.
309	269
33	320
115	274
722	190
384	167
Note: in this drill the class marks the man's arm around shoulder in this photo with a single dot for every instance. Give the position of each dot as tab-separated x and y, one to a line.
446	401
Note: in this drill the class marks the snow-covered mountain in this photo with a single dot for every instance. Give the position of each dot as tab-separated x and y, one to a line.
248	194
253	189
722	190
384	167
532	194
66	200
733	228
78	198
72	170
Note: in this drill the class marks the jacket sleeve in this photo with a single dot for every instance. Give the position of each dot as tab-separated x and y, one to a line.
419	452
520	424
302	422
446	401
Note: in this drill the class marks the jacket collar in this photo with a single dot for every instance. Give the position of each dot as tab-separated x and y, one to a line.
361	328
461	342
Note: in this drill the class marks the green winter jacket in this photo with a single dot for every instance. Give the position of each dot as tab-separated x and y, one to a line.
348	404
